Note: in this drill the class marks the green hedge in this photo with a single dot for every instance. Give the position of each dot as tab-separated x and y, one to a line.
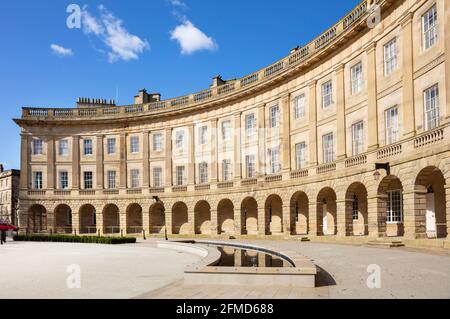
76	239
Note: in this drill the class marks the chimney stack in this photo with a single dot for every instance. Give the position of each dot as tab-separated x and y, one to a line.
1	168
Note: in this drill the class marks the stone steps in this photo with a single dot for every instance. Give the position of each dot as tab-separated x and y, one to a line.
386	243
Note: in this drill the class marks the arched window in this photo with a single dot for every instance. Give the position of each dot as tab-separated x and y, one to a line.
355	208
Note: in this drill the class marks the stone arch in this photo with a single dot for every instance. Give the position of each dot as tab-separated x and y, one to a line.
326	212
202	218
225	217
390	207
63	219
356	210
180	219
88	219
37	219
111	219
430	202
299	213
157	218
274	215
134	219
249	216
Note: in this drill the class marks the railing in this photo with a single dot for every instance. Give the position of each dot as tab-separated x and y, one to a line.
356	161
292	60
62	193
203	187
63	230
299	173
326	168
111	229
111	192
179	189
87	192
136	191
389	151
36	192
134	230
157	190
429	138
249	181
273	178
88	230
225	185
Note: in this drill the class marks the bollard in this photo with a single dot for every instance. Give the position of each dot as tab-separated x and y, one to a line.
143	234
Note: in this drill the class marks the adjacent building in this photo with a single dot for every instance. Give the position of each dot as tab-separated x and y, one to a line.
9	195
348	135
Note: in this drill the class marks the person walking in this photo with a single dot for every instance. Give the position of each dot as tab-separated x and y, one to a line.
3	236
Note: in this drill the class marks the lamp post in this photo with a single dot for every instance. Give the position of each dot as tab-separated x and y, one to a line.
166	237
296	212
245	220
379	166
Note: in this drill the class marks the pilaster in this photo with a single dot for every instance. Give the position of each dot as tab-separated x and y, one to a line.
145	160
313	159
262	139
372	97
214	162
191	163
76	162
286	133
99	162
123	160
168	157
340	112
50	162
237	146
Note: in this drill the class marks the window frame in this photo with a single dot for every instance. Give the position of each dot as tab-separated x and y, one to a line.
111	145
358	145
63	151
250	166
203	177
300	155
86	180
111	179
300	108
88	147
328	148
356	78
38	146
430	34
389	207
135	178
390	57
433	102
157	178
63	181
327	94
274	116
134	144
157	142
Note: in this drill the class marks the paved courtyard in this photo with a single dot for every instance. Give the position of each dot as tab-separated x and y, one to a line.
38	270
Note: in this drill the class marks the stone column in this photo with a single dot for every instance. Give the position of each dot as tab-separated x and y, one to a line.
213	177
191	220
75	222
168	217
341	218
191	164
313	123
237	147
340	113
99	220
372	97
262	220
123	161
238	258
237	220
312	218
262	140
214	221
414	202
408	77
446	19
24	161
447	208
76	162
50	163
376	207
168	157
99	162
145	160
146	220
286	133
287	219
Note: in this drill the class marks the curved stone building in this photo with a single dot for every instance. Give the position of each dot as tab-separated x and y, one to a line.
347	136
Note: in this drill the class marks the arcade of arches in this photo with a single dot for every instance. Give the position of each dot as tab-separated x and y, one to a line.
394	208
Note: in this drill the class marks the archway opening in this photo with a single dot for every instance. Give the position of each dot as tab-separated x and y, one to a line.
202	218
157	218
326	212
249	216
111	219
63	219
430	201
88	219
37	219
134	219
299	216
274	215
390	206
180	220
225	217
356	214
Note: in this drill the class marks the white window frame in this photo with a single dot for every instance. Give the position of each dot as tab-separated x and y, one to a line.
358	138
357	78
274	117
392	127
355	208
203	135
179	139
431	104
300	107
111	177
203	173
38	146
134	144
300	155
63	180
157	142
275	163
250	166
250	124
429	28
226	130
390	57
394	217
87	147
157	176
63	147
328	148
38	180
180	175
227	174
135	178
88	179
111	145
327	94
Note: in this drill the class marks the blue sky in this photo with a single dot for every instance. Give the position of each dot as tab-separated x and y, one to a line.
173	47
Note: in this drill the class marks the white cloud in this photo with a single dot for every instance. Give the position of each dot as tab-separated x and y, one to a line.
178	3
109	29
60	51
191	39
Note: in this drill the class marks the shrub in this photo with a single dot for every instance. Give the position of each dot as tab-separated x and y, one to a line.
75	239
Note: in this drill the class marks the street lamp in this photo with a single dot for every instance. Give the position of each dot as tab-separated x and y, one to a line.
379	166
